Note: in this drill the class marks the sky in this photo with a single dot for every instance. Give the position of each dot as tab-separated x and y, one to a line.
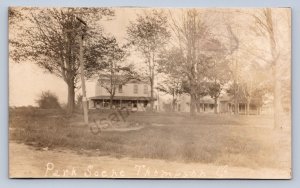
27	80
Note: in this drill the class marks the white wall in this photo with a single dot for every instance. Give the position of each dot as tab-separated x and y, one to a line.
127	90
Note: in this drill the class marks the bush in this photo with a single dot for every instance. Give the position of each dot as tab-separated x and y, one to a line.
48	100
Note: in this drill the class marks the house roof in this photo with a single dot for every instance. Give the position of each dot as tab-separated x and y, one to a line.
230	99
106	77
206	99
225	98
128	98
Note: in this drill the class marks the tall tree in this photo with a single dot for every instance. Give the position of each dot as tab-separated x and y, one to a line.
219	75
106	62
266	25
234	43
149	34
195	40
169	66
190	32
172	86
49	38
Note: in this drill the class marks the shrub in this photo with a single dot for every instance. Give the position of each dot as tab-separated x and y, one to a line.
48	100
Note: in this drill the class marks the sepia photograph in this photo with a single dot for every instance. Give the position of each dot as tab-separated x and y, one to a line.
159	93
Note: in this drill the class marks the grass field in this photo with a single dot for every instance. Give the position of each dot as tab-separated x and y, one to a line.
247	141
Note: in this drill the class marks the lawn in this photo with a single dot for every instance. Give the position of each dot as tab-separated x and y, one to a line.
248	141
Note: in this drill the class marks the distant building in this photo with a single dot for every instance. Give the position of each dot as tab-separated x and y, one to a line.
225	104
206	104
134	95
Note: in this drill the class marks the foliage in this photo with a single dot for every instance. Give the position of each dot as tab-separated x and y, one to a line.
104	55
218	75
50	38
194	54
107	64
149	34
48	100
172	86
248	95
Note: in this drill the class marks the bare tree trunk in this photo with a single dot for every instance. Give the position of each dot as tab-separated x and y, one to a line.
71	97
84	99
151	70
216	105
275	68
111	98
173	103
152	94
236	102
198	107
110	101
276	77
236	106
248	108
277	100
193	105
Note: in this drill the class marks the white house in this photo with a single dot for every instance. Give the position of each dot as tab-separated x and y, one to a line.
225	104
134	95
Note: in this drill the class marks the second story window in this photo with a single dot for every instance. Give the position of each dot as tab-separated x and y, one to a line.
145	89
120	88
135	88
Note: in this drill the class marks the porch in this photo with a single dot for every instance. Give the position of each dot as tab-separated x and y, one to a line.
118	102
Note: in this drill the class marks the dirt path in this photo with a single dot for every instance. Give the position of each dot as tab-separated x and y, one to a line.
26	161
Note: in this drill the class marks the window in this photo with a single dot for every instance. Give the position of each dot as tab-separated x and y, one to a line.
145	89
120	88
135	89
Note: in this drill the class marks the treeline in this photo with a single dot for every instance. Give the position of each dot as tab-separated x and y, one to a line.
198	51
